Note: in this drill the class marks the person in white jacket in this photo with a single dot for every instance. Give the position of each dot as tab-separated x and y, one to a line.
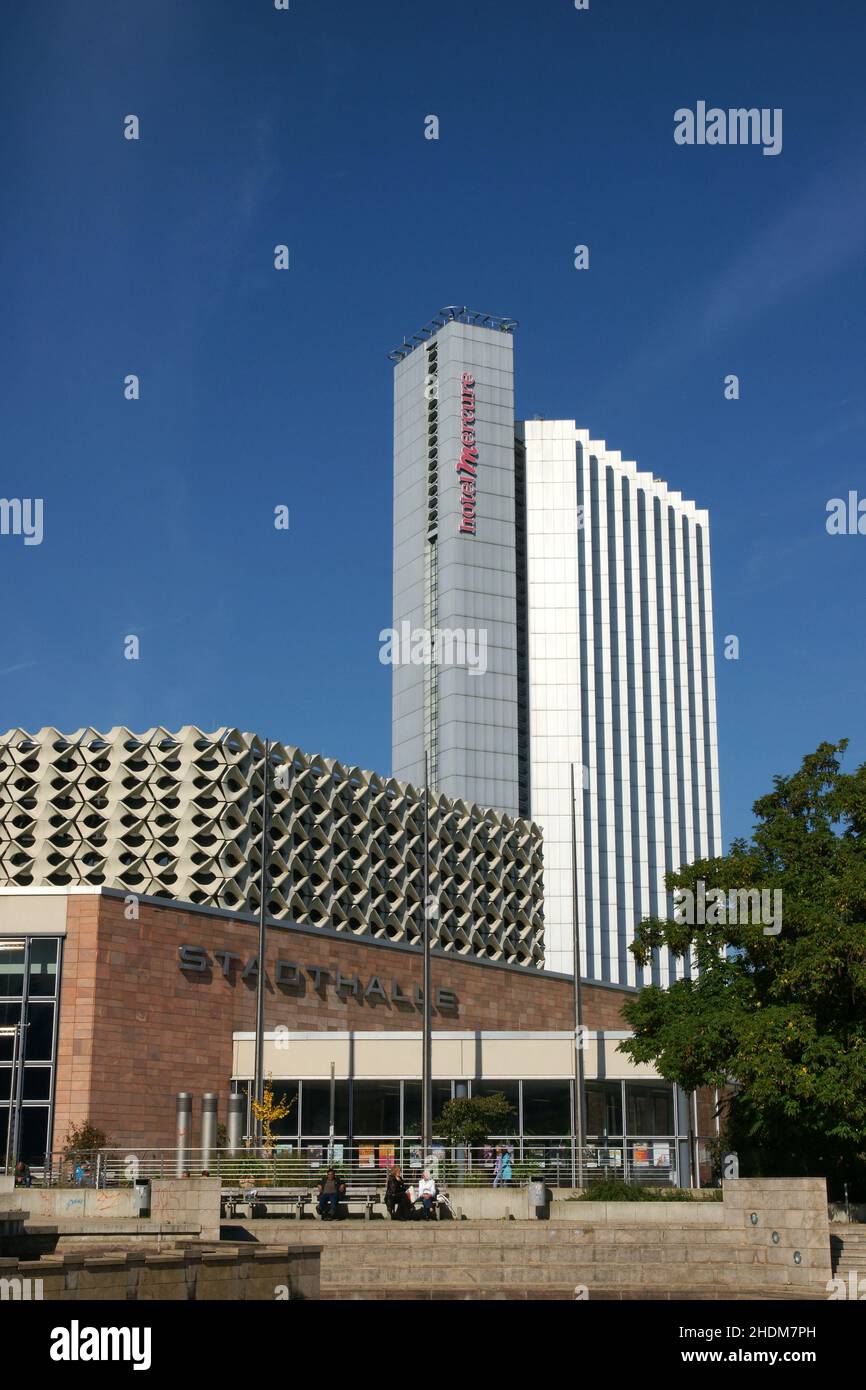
427	1194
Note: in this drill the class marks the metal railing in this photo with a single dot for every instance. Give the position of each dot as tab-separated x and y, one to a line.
651	1161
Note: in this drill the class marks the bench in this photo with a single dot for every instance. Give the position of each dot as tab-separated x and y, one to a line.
261	1200
231	1199
293	1198
368	1197
443	1200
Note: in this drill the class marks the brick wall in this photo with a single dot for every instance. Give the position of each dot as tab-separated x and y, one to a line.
134	1026
74	1080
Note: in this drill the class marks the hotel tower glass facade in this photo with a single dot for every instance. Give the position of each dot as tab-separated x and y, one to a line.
457	386
591	579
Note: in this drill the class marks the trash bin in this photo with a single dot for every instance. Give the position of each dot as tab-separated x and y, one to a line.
141	1197
537	1194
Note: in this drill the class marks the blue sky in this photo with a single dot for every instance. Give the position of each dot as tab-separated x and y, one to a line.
258	388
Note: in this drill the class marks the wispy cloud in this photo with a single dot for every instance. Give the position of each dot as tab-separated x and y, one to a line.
19	666
813	240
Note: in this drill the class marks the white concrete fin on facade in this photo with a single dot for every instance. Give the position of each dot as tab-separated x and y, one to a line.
622	685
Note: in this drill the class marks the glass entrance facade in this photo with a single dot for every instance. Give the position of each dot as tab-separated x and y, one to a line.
631	1126
29	994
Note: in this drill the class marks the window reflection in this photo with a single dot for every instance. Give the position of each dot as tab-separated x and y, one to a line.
603	1108
546	1107
316	1107
649	1108
11	969
376	1107
39	1044
43	966
511	1091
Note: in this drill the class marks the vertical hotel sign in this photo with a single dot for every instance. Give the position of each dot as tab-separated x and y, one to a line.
467	466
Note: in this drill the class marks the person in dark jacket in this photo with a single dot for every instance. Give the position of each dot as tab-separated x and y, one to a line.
22	1175
330	1190
396	1195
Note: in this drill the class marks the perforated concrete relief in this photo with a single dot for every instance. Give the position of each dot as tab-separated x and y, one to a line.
179	816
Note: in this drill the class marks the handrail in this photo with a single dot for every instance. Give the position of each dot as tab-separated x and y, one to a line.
650	1161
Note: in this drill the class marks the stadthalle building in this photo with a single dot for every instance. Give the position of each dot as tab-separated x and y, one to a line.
131	863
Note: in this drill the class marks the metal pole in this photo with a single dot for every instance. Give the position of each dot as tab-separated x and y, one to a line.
183	1112
264	889
209	1103
693	1146
427	1057
235	1122
331	1116
461	1091
578	1001
16	1029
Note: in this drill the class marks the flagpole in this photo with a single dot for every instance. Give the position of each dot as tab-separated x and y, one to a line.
264	890
427	1058
578	1000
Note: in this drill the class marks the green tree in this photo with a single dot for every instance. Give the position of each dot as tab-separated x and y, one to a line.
84	1139
470	1121
782	1018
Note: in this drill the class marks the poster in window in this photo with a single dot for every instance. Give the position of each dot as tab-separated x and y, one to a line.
662	1155
641	1155
387	1155
366	1156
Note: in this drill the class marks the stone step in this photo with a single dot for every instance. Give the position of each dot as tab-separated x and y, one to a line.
848	1250
441	1256
494	1293
562	1293
437	1260
469	1232
600	1275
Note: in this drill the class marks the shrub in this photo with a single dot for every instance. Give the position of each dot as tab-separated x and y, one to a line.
613	1190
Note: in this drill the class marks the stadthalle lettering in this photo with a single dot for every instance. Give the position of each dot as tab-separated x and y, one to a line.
196	961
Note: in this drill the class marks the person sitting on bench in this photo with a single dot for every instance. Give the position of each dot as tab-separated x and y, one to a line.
330	1190
396	1200
427	1195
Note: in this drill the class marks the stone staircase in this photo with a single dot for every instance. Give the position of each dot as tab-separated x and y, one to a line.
543	1260
848	1250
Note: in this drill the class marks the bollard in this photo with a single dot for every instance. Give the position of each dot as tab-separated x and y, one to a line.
209	1102
235	1126
537	1196
184	1125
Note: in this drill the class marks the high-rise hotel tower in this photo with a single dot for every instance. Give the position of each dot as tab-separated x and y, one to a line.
585	582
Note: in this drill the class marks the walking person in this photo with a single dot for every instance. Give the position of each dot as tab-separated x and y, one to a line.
506	1170
497	1166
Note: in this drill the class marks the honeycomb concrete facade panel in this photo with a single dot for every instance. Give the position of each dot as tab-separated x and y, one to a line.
179	816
